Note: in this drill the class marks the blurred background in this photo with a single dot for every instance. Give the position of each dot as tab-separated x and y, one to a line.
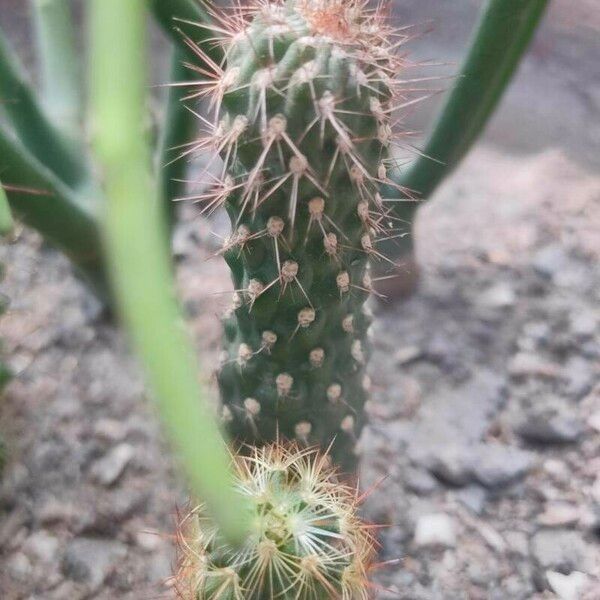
484	443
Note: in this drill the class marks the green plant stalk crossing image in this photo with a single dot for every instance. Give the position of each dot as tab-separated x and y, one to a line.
139	264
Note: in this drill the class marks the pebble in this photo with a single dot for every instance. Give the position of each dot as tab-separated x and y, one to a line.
562	550
496	465
437	529
420	481
559	514
19	566
90	560
550	260
527	364
583	324
472	497
550	421
594	421
148	540
111	466
407	354
517	542
41	546
567	587
500	295
580	376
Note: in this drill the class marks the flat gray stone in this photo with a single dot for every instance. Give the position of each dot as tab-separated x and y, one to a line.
457	421
90	560
111	466
561	550
496	465
550	421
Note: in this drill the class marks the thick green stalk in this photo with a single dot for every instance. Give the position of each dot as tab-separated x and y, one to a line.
6	220
41	138
58	60
42	201
140	266
180	124
499	42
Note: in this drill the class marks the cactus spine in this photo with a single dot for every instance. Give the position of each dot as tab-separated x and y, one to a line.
306	541
303	125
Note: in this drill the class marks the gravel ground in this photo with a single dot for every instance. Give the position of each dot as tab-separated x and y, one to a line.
484	445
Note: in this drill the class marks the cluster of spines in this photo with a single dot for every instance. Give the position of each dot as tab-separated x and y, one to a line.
303	122
306	540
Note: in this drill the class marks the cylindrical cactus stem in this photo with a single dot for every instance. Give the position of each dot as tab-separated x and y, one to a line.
303	125
306	541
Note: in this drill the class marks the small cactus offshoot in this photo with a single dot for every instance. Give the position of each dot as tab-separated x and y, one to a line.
303	122
306	541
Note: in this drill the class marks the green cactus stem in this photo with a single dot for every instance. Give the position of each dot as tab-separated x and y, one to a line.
303	123
306	542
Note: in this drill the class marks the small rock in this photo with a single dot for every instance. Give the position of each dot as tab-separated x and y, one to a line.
496	465
19	566
561	550
557	469
41	546
517	542
500	295
89	560
526	364
420	481
407	354
567	587
110	467
551	421
493	539
596	490
550	260
436	529
148	540
559	514
472	497
594	421
579	375
53	511
583	324
453	464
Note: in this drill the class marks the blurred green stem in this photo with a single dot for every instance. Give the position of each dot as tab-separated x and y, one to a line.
42	201
6	220
45	142
59	63
139	263
499	42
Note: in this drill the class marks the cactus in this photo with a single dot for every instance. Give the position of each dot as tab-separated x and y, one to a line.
306	542
303	125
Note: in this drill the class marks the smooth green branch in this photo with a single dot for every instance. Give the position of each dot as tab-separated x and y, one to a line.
41	138
6	220
498	44
140	266
59	63
42	201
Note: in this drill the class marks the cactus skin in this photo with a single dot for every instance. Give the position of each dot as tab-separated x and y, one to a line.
306	542
303	124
